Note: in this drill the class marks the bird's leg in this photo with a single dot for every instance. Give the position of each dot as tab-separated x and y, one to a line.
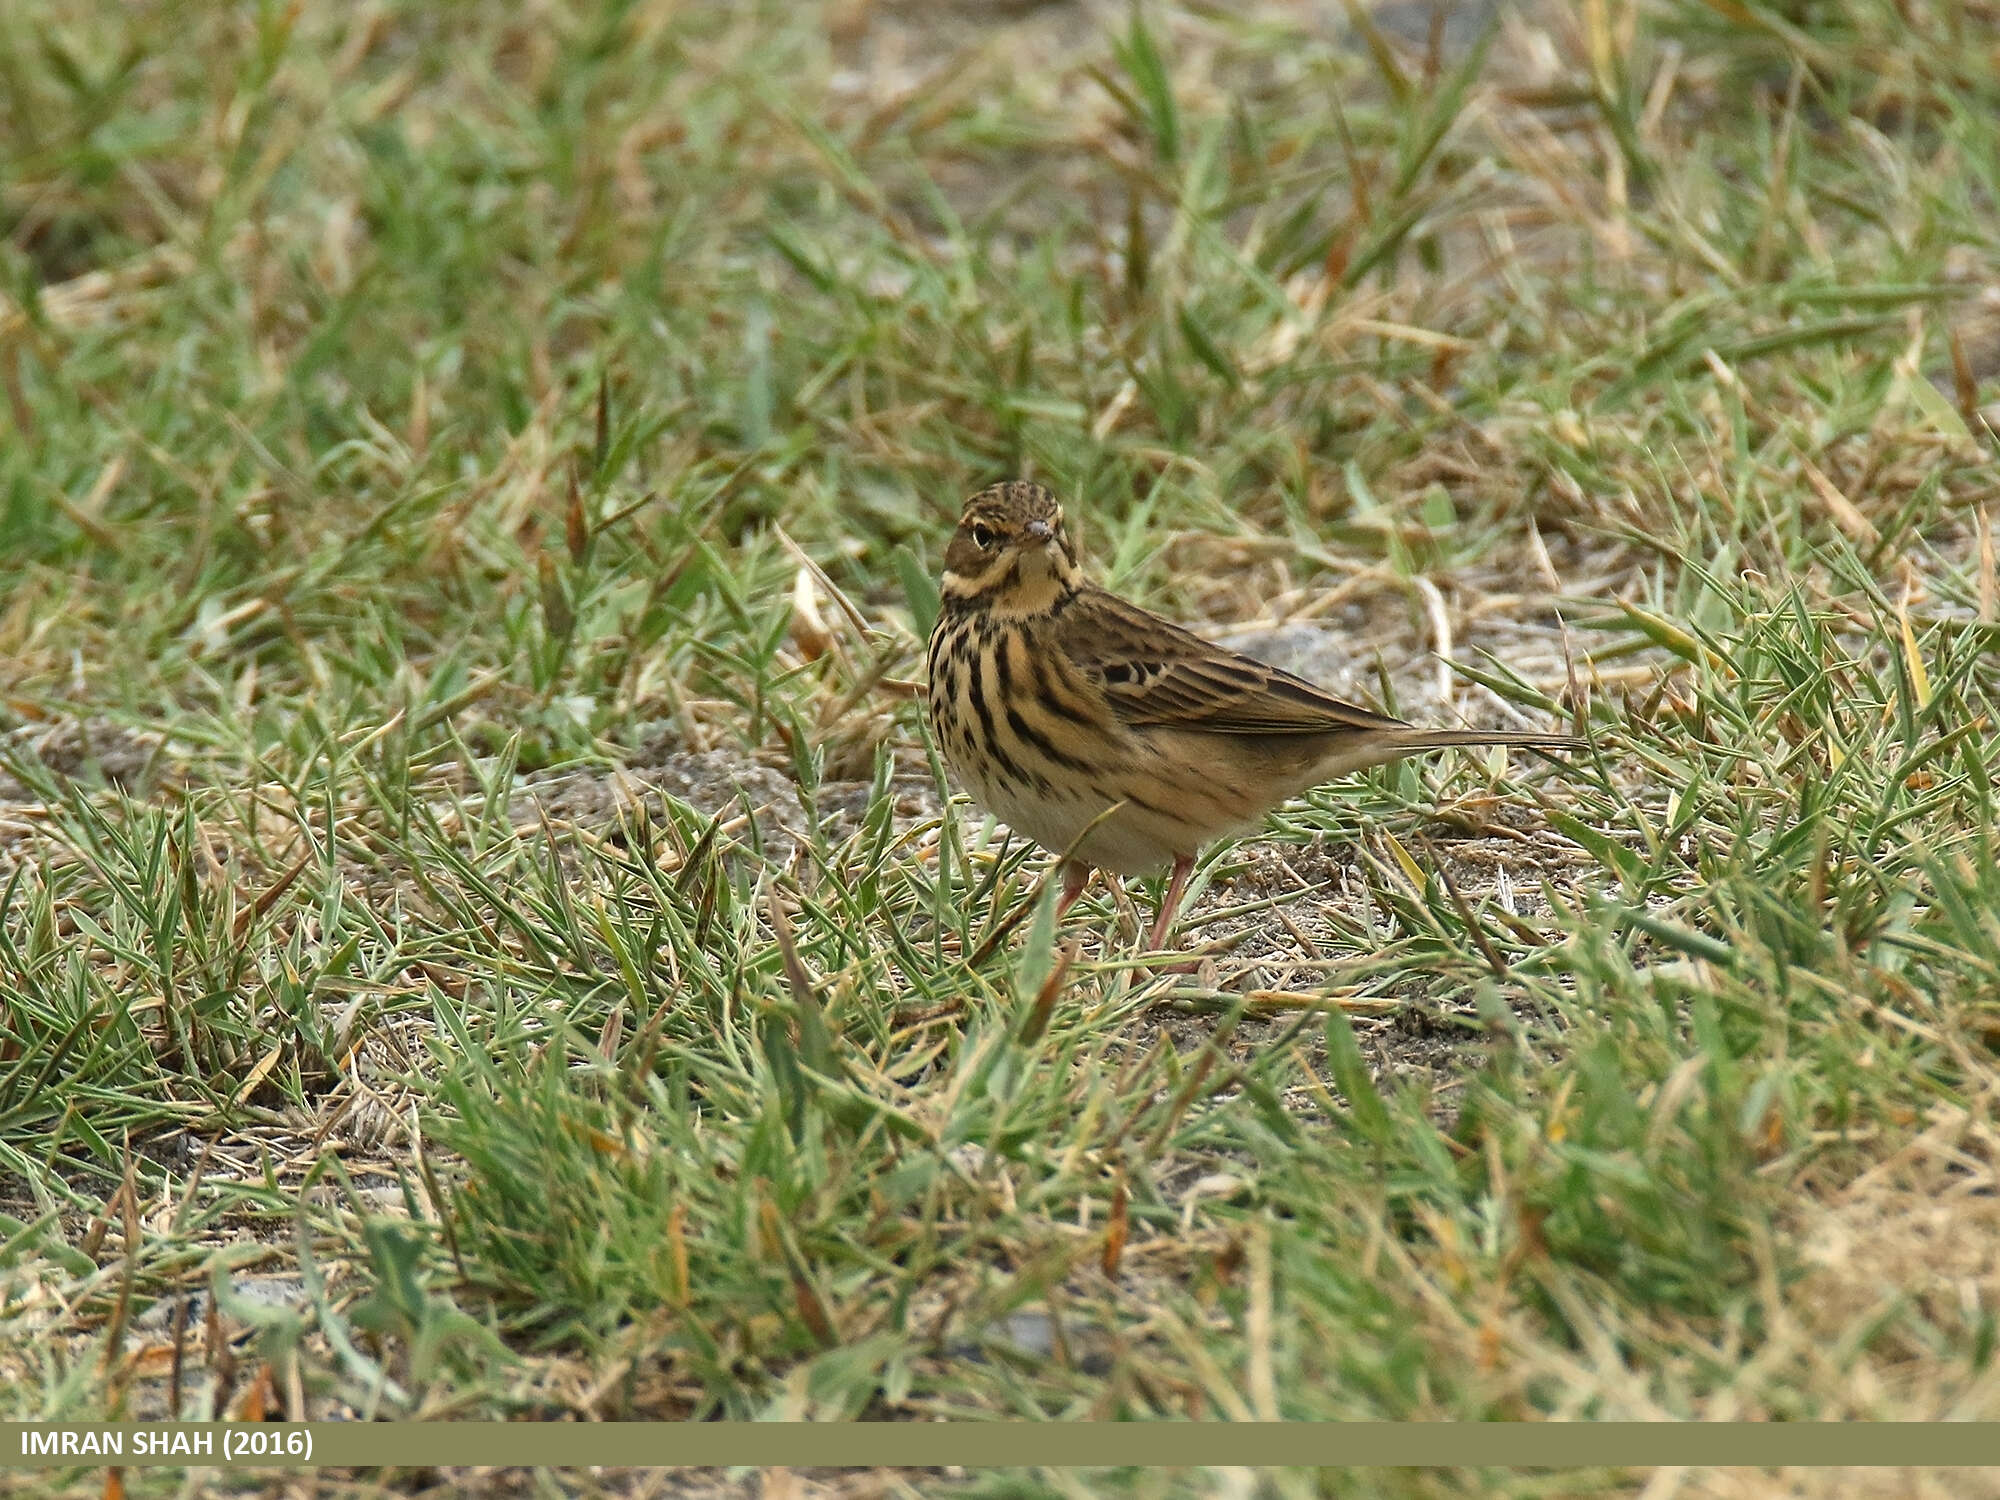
1076	875
1170	902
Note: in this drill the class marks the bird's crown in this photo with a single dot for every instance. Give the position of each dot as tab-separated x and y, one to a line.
1012	507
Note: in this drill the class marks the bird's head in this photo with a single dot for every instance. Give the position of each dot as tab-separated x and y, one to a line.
1010	552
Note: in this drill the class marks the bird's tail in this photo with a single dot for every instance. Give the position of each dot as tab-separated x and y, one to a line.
1358	752
1409	740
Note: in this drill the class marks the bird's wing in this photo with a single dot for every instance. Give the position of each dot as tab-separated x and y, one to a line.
1152	672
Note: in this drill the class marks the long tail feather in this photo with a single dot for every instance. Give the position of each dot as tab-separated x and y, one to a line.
1360	751
1438	739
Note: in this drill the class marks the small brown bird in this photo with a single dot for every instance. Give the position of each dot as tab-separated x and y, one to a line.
1111	736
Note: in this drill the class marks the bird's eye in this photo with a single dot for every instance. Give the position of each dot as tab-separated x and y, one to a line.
982	536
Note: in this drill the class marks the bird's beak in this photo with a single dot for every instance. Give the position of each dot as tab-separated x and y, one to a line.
1041	531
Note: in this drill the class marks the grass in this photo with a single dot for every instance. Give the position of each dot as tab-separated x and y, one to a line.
479	931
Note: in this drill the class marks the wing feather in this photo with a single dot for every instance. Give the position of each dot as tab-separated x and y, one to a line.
1152	672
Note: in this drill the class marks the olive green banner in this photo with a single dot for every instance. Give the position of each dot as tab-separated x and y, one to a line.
998	1444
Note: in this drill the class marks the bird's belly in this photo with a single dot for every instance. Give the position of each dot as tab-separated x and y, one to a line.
1126	841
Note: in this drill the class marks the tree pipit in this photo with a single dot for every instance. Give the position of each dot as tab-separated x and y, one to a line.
1114	738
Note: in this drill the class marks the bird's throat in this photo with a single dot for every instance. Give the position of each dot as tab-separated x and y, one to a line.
1029	582
1035	587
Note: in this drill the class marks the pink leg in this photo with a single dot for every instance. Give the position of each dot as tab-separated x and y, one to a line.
1076	875
1170	902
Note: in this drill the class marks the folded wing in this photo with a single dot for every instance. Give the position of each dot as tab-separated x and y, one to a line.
1152	672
